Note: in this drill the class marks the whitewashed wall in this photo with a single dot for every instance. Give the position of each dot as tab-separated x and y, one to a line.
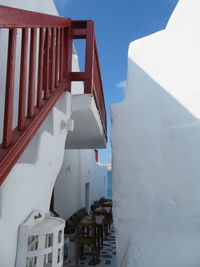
79	167
156	140
30	183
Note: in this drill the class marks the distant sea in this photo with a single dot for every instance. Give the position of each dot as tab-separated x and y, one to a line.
110	184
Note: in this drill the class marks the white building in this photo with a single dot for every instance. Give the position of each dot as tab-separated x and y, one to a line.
39	156
156	139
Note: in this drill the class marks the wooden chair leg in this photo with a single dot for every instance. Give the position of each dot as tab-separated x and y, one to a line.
101	229
77	255
82	251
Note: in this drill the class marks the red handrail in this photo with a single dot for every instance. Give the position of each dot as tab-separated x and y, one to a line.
92	75
54	36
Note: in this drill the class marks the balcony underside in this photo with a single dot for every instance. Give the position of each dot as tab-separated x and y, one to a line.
88	130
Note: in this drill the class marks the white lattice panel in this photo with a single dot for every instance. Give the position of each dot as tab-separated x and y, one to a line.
40	241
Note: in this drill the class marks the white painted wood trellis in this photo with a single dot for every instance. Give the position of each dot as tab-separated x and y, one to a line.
40	241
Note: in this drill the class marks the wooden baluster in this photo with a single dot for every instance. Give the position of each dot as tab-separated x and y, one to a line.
52	65
61	54
40	68
10	78
46	60
23	79
57	57
32	69
67	67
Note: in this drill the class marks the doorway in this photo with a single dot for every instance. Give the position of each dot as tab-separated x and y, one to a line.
87	197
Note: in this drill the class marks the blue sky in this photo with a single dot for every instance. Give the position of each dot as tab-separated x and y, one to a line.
117	23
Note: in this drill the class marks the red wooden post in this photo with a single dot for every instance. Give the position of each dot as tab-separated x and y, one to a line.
40	68
57	57
46	69
89	57
96	155
23	79
52	60
32	68
10	77
61	54
67	67
16	18
99	88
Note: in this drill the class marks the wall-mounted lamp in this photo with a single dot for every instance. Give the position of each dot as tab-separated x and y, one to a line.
68	125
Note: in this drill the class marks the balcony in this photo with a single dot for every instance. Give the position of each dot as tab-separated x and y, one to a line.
43	44
88	106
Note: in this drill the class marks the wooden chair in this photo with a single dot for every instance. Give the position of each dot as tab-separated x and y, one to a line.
86	236
80	215
99	219
74	219
70	227
84	211
100	211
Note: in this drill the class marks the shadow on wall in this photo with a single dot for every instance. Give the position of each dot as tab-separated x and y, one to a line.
157	123
158	174
50	126
30	155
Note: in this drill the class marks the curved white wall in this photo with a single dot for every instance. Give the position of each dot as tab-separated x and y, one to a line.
156	148
30	183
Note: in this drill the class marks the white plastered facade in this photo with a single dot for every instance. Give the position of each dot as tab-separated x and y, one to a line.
156	139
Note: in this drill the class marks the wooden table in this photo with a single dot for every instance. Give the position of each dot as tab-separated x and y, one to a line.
107	212
99	210
87	221
107	204
98	223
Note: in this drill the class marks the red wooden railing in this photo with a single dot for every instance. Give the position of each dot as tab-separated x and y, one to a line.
52	61
92	75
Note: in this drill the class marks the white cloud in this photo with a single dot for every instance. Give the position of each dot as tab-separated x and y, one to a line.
122	84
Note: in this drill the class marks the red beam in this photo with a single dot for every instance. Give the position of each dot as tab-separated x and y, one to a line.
77	76
10	78
18	18
79	33
89	58
99	88
79	24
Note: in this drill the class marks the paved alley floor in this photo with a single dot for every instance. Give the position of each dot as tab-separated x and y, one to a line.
107	257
